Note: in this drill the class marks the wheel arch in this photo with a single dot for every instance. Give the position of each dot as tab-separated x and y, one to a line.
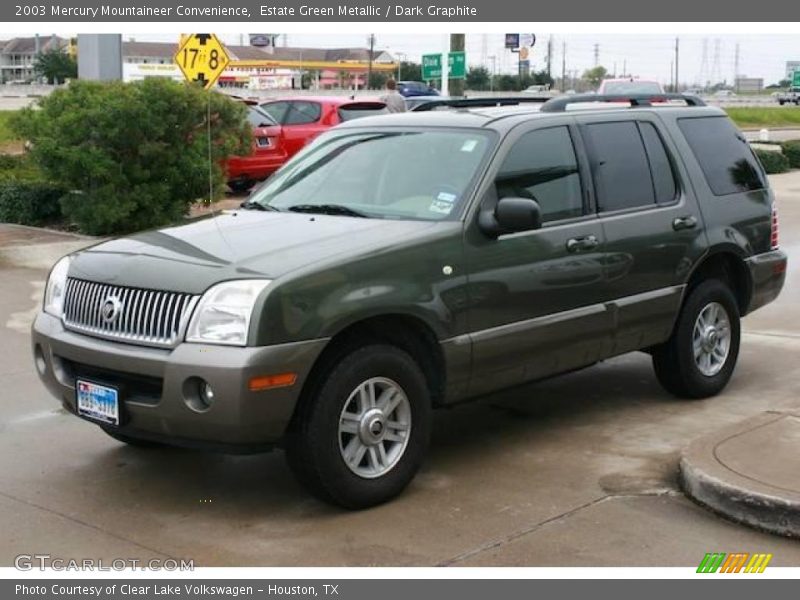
727	264
405	331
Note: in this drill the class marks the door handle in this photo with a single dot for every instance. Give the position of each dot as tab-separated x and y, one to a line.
582	243
680	223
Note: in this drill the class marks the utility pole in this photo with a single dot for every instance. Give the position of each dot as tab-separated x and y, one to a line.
596	54
564	66
736	69
625	68
371	41
492	58
457	43
549	56
677	53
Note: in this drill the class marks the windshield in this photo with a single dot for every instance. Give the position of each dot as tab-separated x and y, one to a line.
381	174
632	87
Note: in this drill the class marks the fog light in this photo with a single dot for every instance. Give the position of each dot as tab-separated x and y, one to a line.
198	394
207	393
38	357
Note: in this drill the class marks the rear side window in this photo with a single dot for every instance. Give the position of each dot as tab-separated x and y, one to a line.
620	166
660	166
301	113
542	165
724	155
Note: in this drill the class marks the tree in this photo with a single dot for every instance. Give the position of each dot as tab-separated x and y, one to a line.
410	71
133	155
595	75
377	80
55	65
478	78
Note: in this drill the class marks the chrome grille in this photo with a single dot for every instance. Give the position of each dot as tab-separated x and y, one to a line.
126	314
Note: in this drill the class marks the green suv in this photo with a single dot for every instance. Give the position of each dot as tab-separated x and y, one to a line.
406	262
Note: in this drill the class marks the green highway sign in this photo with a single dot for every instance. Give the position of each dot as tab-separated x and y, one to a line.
431	66
456	66
796	78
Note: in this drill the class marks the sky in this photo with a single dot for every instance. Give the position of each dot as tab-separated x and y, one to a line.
646	56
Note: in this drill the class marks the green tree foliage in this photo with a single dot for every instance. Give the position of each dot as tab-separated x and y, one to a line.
478	78
595	75
55	65
133	155
410	71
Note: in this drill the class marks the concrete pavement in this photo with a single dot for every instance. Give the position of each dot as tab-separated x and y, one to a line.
580	470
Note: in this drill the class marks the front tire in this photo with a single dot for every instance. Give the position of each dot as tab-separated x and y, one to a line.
361	435
700	356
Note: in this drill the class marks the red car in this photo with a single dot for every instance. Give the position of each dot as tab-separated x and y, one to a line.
303	118
266	156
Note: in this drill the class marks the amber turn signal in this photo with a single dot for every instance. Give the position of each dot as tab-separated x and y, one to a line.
267	382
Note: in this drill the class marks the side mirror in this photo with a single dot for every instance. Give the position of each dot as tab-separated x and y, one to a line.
511	215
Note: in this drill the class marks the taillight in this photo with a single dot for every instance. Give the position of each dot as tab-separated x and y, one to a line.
773	234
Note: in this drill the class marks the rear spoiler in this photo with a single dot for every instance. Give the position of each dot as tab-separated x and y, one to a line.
481	102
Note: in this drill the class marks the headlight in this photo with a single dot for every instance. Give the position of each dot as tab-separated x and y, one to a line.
56	288
223	314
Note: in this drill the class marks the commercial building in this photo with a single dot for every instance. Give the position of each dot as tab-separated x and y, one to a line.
17	56
749	85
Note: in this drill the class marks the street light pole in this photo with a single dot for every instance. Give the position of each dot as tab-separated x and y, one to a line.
493	58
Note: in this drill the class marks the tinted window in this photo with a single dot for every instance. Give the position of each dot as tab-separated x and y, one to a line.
660	166
619	164
258	117
277	110
542	165
302	113
724	155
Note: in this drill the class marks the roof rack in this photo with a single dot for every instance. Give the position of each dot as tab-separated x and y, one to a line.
560	103
481	102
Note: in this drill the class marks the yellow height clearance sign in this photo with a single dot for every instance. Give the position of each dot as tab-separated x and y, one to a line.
202	58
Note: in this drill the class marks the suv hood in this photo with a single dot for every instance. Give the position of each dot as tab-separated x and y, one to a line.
236	245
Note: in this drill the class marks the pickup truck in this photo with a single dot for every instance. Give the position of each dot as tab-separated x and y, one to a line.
792	95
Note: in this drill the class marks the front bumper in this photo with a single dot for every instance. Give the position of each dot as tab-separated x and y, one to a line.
767	274
152	383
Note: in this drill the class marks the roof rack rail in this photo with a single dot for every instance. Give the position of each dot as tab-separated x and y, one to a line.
486	102
560	103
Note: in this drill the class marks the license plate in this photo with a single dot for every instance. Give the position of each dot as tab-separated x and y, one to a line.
98	402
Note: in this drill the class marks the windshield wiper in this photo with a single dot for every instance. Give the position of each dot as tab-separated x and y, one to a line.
327	209
250	205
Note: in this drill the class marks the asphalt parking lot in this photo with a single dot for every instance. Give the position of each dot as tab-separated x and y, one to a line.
575	471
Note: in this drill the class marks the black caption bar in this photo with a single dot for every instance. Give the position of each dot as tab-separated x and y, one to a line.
734	588
261	11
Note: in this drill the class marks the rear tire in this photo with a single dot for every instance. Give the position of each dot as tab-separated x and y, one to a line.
240	186
360	435
700	356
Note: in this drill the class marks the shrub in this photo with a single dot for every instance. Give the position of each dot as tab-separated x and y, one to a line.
29	203
133	155
791	151
18	167
773	161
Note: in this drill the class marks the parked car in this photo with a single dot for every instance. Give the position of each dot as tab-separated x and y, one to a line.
416	88
629	85
791	96
303	118
410	262
413	102
267	154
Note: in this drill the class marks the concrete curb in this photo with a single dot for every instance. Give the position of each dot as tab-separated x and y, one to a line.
749	496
